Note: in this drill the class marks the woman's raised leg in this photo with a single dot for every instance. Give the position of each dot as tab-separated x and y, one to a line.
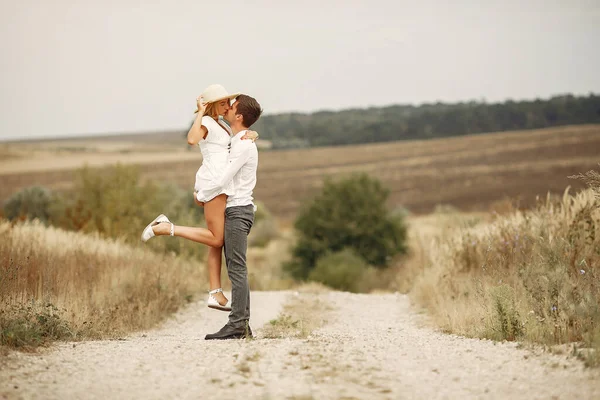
214	213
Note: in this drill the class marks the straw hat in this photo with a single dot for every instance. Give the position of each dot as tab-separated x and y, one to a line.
215	93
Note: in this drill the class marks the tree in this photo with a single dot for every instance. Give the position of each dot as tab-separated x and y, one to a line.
349	213
426	121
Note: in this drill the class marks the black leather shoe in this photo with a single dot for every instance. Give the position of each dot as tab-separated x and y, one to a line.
228	332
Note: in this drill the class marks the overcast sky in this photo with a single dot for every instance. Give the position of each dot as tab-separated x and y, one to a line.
104	66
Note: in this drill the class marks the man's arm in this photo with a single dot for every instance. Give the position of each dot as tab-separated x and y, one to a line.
240	153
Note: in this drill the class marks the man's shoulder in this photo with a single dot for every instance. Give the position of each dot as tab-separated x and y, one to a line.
243	144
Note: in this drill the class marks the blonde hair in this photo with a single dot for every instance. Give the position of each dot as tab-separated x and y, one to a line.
211	110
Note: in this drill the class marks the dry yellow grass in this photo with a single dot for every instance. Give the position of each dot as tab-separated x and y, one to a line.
57	284
527	275
103	287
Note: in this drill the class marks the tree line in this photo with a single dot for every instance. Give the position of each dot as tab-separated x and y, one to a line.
426	121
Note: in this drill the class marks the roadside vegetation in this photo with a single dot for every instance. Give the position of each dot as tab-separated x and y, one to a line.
527	275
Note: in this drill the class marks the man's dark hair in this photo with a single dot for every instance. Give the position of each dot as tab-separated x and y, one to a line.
249	109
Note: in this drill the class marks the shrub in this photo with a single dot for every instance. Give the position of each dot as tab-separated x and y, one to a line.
349	213
264	229
262	213
262	233
343	270
116	203
112	201
34	202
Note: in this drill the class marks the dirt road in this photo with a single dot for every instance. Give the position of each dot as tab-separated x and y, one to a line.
369	346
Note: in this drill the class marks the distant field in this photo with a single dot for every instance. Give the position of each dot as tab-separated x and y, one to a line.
468	172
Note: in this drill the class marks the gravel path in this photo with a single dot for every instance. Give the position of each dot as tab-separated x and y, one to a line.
371	346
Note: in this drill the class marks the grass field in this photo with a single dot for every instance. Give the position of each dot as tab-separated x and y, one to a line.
472	173
532	286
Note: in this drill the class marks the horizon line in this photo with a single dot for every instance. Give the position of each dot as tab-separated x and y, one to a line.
323	110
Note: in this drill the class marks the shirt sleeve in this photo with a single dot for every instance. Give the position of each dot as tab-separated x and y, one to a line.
207	122
239	155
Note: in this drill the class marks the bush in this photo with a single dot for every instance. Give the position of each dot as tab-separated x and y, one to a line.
350	213
262	213
35	202
116	203
112	201
343	270
262	233
264	229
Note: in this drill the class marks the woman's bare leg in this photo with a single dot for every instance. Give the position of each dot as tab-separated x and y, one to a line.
214	272
214	212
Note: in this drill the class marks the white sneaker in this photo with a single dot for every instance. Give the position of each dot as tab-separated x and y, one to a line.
149	233
213	303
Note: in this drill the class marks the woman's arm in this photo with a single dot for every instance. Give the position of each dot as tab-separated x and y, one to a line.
197	132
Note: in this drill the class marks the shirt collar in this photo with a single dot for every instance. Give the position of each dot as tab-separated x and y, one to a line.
240	134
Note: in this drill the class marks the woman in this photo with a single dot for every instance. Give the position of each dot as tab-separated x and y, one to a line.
213	137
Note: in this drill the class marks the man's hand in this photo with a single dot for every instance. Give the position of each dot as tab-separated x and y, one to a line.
252	135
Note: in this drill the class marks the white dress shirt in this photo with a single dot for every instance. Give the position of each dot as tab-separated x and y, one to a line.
241	167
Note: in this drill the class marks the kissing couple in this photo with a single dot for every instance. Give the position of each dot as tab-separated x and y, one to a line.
224	186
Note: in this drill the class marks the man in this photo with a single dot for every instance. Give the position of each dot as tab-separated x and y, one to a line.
239	214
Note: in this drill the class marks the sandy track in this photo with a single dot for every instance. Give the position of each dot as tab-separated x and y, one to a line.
372	346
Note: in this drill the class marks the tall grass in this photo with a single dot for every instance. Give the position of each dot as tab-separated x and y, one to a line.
56	284
531	275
